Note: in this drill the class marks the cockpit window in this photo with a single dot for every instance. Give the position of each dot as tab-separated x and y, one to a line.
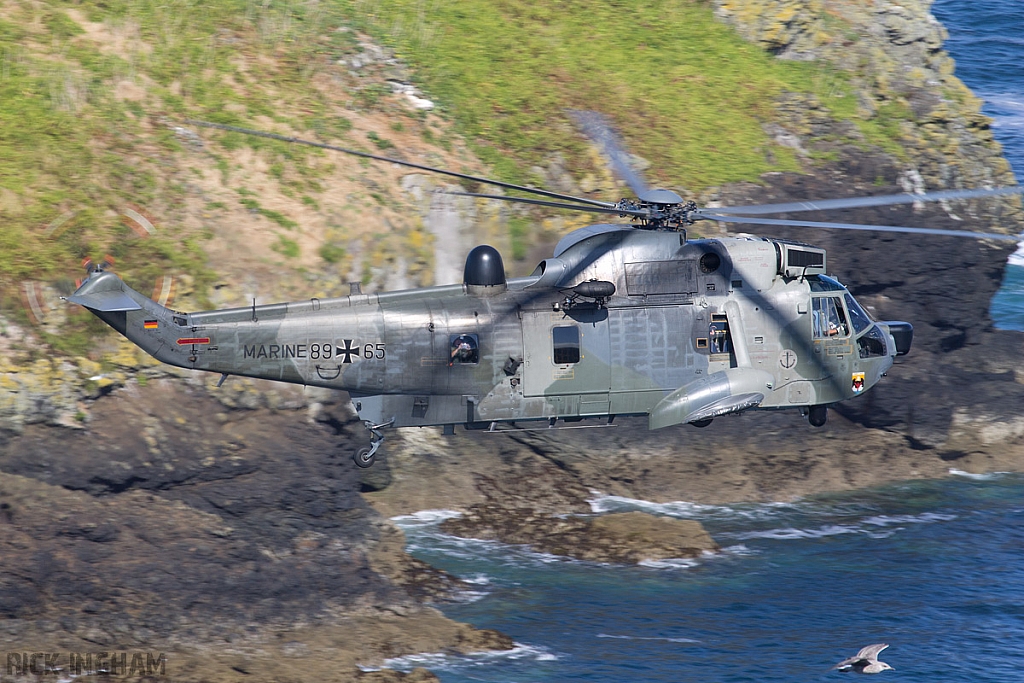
828	318
858	316
823	283
872	343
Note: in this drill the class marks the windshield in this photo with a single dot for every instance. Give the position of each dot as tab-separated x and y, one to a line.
858	316
823	283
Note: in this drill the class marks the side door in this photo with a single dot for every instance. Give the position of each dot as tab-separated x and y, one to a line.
566	355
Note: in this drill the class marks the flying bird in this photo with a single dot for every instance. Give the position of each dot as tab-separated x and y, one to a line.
865	661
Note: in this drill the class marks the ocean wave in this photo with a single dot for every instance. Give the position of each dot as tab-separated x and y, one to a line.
980	477
467	597
661	638
443	661
739	550
790	533
602	504
923	518
429	540
868	526
424	518
478	580
670	563
1017	257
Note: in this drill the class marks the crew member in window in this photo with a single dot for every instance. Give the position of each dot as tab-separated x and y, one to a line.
463	350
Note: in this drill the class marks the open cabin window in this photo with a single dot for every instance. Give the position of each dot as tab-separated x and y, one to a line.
566	342
829	318
719	341
464	349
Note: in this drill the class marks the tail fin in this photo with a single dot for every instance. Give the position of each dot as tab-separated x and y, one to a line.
105	292
140	319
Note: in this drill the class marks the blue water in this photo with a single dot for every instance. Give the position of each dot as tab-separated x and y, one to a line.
936	569
933	568
986	39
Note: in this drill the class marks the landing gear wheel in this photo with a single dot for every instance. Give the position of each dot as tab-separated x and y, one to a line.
817	416
364	457
702	423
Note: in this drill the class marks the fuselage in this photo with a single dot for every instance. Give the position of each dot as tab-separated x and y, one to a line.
690	330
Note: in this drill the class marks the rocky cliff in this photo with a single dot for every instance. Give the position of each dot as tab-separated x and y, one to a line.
143	508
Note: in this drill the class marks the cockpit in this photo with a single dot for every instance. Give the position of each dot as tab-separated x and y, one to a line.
835	314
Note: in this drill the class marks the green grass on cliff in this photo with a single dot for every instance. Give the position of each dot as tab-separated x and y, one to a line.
89	91
684	90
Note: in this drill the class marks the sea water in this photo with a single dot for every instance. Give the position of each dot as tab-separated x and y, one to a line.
934	568
986	39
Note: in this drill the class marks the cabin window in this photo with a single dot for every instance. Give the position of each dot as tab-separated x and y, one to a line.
566	341
828	318
718	334
464	349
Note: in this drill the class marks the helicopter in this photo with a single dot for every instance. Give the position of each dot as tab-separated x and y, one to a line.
624	319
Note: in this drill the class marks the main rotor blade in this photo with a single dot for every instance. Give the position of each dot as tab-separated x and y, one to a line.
596	127
400	162
857	226
857	202
557	205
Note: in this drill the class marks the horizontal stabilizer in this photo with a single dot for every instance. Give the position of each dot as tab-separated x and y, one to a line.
108	300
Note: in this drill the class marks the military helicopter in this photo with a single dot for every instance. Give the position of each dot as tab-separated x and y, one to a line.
622	320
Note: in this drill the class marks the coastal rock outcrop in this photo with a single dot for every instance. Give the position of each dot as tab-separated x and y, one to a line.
229	543
623	538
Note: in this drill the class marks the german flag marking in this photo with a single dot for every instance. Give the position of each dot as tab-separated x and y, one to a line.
151	324
188	341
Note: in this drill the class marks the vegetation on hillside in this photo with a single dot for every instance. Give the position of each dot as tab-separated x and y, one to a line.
92	95
686	92
91	92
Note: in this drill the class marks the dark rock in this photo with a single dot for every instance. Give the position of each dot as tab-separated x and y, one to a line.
626	538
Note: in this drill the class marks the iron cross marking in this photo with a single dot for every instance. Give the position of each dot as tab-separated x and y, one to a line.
348	351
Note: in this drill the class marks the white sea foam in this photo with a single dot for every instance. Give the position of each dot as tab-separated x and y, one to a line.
478	579
739	550
1015	259
790	533
426	538
990	475
424	518
923	518
670	563
662	638
601	503
441	661
876	526
467	597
